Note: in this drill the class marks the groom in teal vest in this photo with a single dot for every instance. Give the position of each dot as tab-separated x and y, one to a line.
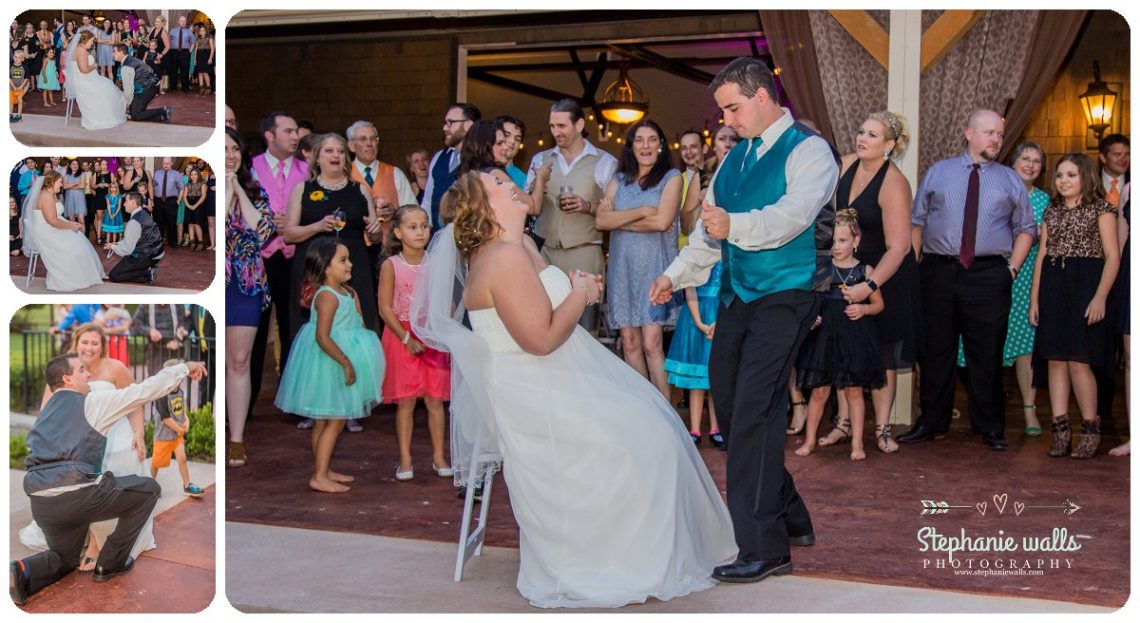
767	216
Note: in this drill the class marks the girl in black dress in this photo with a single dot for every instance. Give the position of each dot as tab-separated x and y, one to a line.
1076	267
842	349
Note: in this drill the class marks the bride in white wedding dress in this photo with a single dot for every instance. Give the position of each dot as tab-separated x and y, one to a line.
120	456
70	260
613	502
100	101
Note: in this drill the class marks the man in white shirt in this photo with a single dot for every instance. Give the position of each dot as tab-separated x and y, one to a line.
766	215
575	175
364	142
65	482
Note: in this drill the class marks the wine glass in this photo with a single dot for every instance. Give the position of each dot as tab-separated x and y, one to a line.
338	221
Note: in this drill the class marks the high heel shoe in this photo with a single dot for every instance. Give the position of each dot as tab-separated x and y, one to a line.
1031	431
1062	437
837	435
1090	440
797	429
884	441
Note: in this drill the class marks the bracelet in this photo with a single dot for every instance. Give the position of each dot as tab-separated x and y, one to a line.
585	291
1013	269
407	336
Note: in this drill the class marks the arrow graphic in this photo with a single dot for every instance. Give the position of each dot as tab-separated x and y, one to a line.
930	507
1069	507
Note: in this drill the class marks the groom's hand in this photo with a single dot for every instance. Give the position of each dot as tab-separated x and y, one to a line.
716	221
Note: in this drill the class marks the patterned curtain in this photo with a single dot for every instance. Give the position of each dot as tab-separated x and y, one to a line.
984	70
1053	39
793	48
853	82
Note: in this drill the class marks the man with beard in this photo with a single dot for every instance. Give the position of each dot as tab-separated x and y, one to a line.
693	159
445	162
566	219
972	227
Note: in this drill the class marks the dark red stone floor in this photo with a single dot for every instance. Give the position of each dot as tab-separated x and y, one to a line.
866	515
178	576
189	108
189	270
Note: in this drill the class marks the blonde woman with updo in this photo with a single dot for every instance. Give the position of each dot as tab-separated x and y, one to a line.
871	184
603	522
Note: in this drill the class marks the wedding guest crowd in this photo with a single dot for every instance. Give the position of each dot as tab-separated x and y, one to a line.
985	264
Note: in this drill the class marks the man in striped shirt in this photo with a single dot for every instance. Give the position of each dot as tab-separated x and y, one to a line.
972	227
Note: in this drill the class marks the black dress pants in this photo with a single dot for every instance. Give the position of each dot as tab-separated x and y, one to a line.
140	112
278	269
131	269
166	216
972	303
180	70
752	355
65	519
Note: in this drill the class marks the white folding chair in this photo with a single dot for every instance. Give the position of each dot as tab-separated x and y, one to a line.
33	259
67	111
471	539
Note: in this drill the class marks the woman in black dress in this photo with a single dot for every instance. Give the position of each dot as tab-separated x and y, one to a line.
310	215
881	195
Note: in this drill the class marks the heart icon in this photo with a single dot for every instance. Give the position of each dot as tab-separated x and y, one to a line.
1018	507
981	506
999	502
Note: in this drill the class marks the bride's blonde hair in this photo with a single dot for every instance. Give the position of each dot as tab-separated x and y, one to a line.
85	36
84	329
51	177
474	220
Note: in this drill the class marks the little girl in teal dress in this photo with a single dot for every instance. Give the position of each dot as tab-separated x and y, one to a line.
113	224
336	368
688	360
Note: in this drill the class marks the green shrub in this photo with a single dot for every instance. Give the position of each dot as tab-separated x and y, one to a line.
17	451
200	439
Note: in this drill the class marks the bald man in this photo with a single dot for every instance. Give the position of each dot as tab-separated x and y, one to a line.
972	227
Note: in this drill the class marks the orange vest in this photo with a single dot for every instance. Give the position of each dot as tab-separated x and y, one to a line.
383	187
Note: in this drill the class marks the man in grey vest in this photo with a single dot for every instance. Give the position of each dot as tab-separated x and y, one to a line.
577	174
141	247
65	480
140	85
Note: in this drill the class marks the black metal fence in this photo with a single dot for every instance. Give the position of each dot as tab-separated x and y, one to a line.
142	357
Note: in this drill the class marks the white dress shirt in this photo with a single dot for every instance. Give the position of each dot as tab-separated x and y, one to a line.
404	192
812	175
603	170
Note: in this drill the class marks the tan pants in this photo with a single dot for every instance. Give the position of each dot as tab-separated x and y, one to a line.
587	258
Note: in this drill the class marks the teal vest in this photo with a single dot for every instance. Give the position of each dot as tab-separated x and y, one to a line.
751	275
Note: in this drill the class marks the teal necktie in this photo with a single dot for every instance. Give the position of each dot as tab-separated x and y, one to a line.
368	179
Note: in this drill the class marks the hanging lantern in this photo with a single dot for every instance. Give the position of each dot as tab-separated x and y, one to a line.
623	101
1098	102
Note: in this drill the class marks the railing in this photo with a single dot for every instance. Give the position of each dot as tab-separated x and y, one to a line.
142	357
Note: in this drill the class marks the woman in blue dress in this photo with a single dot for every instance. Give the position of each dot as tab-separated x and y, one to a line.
640	210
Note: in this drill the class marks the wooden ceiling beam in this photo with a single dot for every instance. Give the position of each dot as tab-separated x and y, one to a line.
945	33
867	32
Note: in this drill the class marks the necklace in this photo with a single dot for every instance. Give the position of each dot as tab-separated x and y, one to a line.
332	187
405	260
845	279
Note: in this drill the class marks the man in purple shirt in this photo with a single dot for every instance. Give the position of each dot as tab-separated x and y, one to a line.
181	39
168	184
972	227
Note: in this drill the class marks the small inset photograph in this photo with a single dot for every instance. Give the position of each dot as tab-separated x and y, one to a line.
111	225
111	465
127	77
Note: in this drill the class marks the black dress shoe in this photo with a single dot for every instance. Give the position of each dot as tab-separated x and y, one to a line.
17	583
996	443
742	572
102	575
920	433
802	540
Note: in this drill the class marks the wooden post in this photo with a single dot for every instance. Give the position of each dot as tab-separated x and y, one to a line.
903	77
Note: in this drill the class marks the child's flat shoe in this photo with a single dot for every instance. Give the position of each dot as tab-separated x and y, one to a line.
404	476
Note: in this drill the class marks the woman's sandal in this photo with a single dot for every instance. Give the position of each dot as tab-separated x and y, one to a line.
883	439
837	435
1031	431
792	429
235	454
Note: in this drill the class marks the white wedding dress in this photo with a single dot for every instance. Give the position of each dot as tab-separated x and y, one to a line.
71	262
119	458
100	101
613	502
